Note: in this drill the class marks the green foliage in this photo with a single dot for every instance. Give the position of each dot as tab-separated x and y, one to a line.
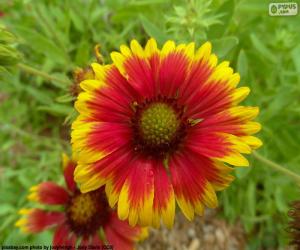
9	56
56	36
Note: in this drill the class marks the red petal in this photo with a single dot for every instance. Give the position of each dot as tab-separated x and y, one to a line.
108	137
61	234
97	241
116	98
140	76
52	194
136	196
172	73
69	175
190	185
120	235
164	202
85	241
40	220
207	144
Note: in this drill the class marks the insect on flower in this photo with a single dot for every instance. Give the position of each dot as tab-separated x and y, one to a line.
160	126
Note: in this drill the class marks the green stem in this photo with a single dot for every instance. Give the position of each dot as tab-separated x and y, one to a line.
37	72
277	167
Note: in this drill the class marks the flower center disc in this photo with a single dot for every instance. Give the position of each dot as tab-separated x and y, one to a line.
87	212
159	124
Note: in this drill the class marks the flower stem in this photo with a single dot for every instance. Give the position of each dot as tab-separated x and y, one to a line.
37	72
277	167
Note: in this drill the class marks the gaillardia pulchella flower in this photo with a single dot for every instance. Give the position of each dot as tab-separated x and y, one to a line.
85	218
159	125
294	224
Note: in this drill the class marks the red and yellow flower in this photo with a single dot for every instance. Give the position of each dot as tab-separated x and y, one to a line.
162	125
82	217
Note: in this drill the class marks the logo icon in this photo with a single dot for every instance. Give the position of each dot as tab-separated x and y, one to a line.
273	9
283	9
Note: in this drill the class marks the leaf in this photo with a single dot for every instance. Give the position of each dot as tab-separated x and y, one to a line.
152	30
65	98
279	200
5	209
242	172
227	9
39	95
224	45
83	53
296	57
262	49
77	21
40	43
57	109
251	199
242	64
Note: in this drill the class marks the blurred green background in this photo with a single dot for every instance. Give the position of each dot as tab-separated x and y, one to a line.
57	36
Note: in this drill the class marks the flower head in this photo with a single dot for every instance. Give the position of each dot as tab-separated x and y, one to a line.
161	125
294	225
82	216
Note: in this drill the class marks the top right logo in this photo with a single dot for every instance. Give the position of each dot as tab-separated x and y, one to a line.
283	9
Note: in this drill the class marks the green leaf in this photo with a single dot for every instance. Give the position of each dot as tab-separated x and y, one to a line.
242	172
77	21
39	95
83	53
279	200
262	49
42	44
7	37
152	30
296	57
224	45
57	109
242	64
251	199
218	30
5	209
65	98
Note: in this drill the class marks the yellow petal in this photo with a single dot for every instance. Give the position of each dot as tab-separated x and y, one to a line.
91	85
145	211
210	198
235	159
167	48
133	216
119	60
137	49
125	51
234	80
65	160
186	207
251	128
203	53
252	141
213	60
168	213
239	95
151	47
123	203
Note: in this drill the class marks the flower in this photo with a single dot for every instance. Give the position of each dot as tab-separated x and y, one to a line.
83	216
294	225
157	126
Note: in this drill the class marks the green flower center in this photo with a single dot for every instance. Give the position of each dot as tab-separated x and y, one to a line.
158	124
